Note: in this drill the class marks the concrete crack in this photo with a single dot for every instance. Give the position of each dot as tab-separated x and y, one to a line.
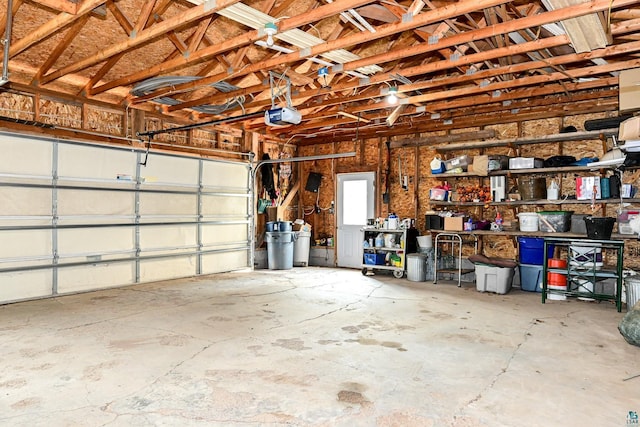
497	376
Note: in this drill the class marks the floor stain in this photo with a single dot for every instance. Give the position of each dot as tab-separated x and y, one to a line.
219	319
370	341
16	383
441	316
291	344
42	367
94	372
58	348
353	397
351	329
173	340
25	403
327	342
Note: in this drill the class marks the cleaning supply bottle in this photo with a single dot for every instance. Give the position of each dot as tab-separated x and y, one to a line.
553	191
498	218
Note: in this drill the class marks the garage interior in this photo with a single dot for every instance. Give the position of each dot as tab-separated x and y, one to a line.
148	145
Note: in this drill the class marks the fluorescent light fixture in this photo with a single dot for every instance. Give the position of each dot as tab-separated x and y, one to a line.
257	20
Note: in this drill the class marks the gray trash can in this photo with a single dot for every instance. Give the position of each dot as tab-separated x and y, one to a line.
417	267
280	250
301	248
632	285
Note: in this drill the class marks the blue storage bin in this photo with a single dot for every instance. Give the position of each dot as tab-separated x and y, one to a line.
531	277
374	259
531	250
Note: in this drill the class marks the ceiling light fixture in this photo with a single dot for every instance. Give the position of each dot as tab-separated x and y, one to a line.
392	97
271	30
323	72
255	19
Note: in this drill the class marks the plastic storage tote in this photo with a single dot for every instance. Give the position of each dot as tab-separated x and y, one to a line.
531	277
490	278
531	250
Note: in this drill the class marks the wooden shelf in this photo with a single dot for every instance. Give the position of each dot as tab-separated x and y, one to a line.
533	171
480	233
534	202
572	136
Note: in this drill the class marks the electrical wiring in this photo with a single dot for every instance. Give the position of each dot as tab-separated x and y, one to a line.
150	85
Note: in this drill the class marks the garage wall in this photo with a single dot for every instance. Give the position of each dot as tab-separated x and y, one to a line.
76	217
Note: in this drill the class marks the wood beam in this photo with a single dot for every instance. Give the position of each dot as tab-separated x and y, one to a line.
234	43
431	140
62	45
143	37
53	26
505	27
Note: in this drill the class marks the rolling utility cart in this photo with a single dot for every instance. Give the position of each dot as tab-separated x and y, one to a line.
453	240
387	253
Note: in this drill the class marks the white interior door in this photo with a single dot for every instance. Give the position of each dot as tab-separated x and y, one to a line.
355	204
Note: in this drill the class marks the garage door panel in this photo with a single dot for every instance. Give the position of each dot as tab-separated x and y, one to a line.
21	285
87	208
226	261
230	206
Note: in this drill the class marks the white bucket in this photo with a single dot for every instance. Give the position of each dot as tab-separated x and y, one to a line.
425	242
528	221
557	297
585	286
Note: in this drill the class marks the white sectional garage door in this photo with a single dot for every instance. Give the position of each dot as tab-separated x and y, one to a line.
76	217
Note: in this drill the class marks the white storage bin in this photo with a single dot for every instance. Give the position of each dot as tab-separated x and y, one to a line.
490	278
525	163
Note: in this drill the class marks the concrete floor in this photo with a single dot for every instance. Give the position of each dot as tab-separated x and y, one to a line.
314	347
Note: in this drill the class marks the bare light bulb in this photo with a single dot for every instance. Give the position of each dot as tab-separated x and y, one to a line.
270	29
392	98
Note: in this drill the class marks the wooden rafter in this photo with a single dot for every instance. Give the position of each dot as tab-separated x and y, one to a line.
71	33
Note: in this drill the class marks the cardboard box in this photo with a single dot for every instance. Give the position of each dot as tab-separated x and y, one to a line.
453	223
629	129
300	225
629	90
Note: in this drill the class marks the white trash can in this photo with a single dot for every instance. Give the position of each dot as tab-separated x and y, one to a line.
301	248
